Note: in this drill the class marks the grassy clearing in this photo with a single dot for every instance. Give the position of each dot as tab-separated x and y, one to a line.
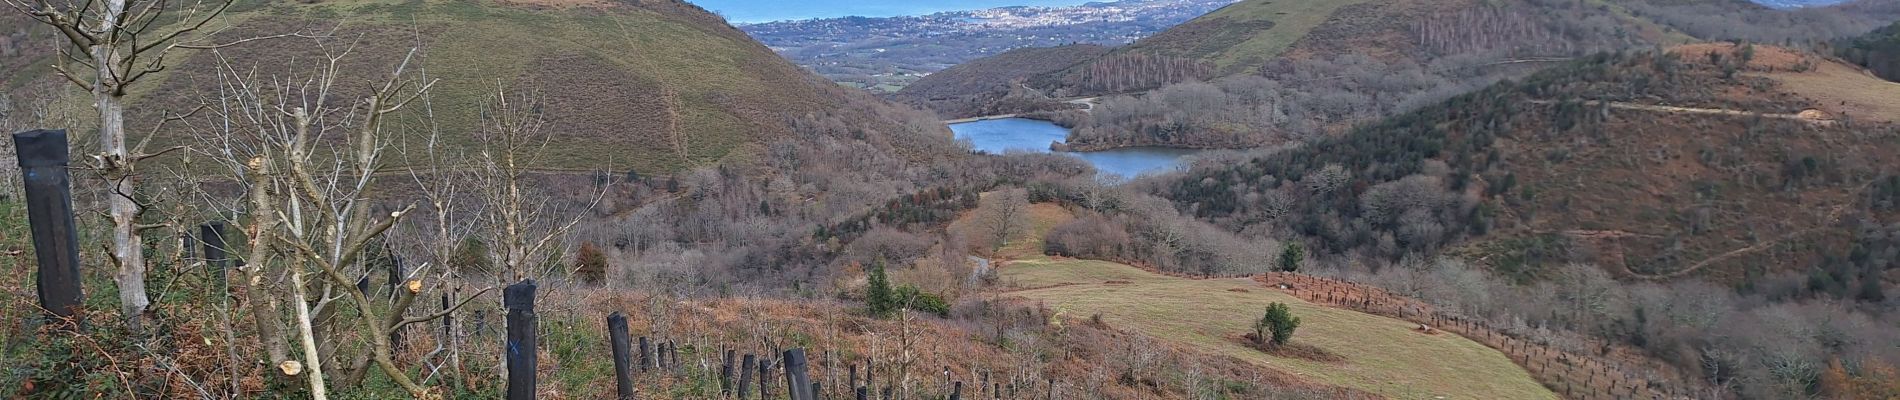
1384	356
1845	90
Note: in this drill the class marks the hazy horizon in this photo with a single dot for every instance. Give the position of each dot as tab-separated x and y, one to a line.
755	11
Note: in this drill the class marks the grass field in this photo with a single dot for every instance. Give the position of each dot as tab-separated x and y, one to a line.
1843	89
1383	356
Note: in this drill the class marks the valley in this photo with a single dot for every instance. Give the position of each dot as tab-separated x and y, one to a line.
1147	199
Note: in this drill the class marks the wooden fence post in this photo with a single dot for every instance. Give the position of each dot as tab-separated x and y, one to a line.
217	254
395	276
956	391
725	374
863	393
646	354
623	355
765	377
522	343
746	370
49	211
796	380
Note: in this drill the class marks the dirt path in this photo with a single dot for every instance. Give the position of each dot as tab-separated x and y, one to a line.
1705	111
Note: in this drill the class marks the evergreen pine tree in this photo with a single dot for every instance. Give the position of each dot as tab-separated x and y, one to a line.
879	297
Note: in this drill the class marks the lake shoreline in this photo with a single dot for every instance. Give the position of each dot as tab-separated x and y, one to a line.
1003	135
1065	147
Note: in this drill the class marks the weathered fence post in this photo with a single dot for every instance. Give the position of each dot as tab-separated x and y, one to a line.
646	354
725	373
49	209
623	356
765	377
522	343
852	375
395	276
796	381
746	369
217	255
863	393
956	391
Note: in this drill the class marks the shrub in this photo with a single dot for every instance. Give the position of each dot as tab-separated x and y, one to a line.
912	298
1278	324
590	264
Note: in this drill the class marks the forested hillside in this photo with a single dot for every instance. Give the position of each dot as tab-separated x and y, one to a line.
1701	162
1330	65
1878	51
994	85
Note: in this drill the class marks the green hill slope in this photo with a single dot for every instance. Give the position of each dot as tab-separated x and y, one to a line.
646	85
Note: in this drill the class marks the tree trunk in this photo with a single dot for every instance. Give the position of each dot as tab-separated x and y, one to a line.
262	302
116	168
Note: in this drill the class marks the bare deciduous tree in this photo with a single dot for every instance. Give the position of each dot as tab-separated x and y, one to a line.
513	142
1006	216
124	41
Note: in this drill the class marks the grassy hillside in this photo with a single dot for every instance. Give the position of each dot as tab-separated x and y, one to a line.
651	85
1242	35
1381	355
978	87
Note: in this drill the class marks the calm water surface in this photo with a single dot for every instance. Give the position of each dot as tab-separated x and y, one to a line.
1021	134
